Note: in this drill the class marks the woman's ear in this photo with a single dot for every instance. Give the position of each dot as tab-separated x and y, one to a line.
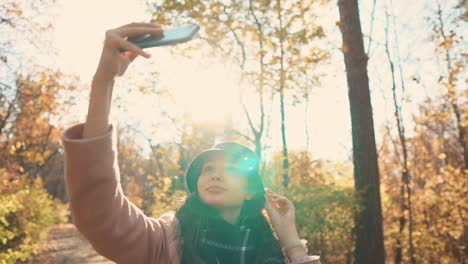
248	196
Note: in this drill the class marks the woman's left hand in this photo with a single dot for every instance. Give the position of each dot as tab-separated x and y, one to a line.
282	215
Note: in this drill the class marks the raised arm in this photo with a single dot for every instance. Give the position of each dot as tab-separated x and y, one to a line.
116	228
113	63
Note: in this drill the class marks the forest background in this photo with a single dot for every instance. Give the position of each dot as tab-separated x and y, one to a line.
275	75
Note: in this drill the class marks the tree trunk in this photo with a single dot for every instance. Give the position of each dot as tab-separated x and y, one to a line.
452	100
281	93
452	95
182	164
405	189
368	223
285	146
258	133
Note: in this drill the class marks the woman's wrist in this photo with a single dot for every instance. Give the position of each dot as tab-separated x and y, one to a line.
102	77
101	81
296	253
288	234
293	247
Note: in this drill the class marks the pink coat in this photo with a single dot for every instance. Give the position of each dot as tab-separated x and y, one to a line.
116	228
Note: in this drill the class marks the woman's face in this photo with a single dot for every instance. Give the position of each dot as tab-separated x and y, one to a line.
220	186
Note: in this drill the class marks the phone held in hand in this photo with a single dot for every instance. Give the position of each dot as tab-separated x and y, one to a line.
170	36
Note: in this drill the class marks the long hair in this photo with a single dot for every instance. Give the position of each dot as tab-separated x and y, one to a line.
194	215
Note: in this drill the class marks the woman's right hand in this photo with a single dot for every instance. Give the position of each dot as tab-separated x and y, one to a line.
113	61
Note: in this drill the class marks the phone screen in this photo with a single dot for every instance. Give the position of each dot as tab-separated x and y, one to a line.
179	33
170	36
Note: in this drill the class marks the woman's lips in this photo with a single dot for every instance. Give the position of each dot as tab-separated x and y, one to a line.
215	189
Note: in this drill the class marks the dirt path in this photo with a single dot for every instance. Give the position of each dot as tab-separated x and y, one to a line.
65	245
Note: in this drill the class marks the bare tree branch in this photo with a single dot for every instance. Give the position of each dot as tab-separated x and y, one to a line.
371	28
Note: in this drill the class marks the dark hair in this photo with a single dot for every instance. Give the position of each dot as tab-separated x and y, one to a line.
194	215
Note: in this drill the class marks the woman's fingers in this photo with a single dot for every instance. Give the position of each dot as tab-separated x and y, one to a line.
277	199
279	202
275	196
270	192
131	55
118	37
118	52
140	24
138	28
128	46
269	207
282	202
136	31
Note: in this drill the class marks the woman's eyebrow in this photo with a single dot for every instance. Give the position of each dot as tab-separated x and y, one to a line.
208	163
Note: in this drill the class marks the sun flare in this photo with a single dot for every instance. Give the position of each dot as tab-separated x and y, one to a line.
205	93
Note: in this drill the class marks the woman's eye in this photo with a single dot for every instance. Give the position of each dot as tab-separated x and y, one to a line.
208	168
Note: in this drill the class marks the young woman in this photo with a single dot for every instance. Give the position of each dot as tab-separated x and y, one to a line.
220	221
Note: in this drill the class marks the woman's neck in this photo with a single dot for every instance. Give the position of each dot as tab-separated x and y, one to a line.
230	214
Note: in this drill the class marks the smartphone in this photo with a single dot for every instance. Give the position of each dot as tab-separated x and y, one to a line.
170	36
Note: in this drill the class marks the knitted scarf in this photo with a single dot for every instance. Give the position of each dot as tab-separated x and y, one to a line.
223	243
220	242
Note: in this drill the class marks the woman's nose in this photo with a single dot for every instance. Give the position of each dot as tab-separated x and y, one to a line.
217	174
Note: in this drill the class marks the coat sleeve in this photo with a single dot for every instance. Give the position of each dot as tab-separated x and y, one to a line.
115	227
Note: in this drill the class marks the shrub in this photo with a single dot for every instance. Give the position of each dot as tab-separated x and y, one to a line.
26	212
